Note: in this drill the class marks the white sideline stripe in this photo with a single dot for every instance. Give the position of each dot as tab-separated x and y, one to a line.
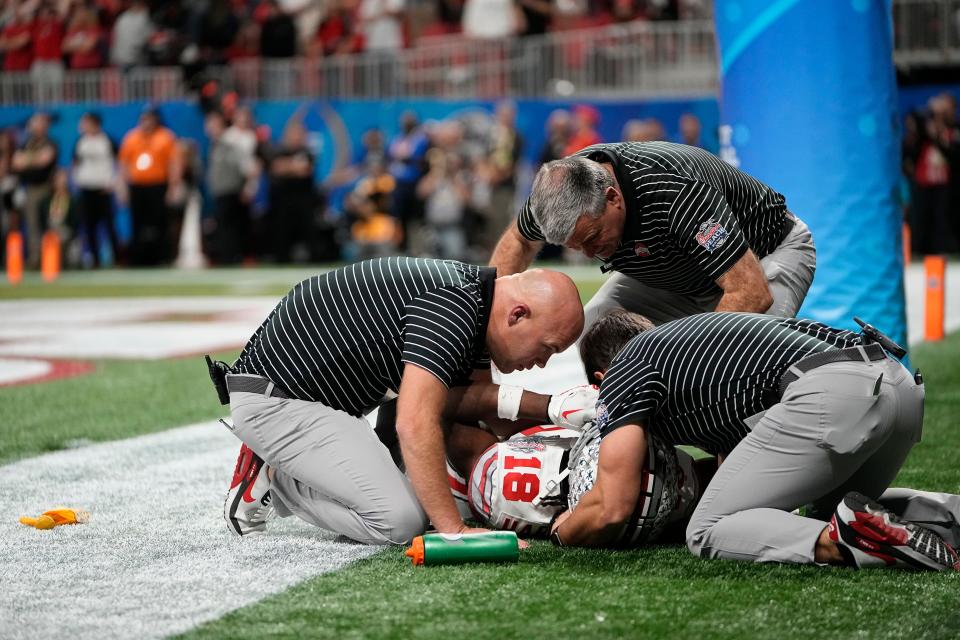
15	370
127	327
156	558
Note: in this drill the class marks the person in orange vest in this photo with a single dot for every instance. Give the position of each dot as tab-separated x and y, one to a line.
150	168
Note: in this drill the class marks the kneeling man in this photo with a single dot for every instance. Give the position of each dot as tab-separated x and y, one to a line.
803	414
340	344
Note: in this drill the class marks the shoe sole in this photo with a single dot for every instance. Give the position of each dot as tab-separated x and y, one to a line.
884	536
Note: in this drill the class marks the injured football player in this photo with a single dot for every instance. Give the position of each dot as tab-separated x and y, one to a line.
525	482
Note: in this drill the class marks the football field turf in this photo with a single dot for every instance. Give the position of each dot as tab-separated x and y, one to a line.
658	593
661	592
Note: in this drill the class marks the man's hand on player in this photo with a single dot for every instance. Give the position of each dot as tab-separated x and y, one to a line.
574	407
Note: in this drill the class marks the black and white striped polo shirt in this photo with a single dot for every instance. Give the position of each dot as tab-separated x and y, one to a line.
689	215
342	338
694	381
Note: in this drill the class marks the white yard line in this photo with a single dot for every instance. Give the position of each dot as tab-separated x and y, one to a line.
133	328
156	558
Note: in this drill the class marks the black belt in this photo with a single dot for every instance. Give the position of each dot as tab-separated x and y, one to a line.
247	383
865	353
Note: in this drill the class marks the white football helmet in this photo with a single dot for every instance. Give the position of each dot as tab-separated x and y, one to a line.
669	487
520	484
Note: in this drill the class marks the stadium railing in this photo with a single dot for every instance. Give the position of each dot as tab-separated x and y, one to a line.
927	32
632	59
637	59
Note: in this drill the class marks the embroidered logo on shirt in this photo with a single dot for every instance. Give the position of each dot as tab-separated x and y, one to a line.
641	249
526	445
603	416
711	235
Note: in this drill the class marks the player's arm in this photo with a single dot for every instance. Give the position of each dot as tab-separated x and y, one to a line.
513	252
481	401
602	512
465	445
420	406
508	410
745	286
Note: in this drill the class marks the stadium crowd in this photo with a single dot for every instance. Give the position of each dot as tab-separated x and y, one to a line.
931	176
442	188
45	37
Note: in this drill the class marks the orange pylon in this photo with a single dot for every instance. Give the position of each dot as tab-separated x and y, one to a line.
14	257
935	269
50	256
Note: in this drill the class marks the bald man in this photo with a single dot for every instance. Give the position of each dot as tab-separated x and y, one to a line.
341	344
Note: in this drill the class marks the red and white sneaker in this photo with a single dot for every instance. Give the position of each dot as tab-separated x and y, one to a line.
248	501
869	535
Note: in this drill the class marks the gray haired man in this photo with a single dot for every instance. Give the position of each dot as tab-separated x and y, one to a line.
685	232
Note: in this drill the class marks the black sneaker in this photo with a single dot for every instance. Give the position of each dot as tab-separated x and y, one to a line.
869	535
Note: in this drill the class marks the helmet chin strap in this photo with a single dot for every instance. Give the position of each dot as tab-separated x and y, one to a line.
588	434
551	486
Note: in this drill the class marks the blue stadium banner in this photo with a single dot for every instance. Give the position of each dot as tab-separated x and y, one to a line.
809	105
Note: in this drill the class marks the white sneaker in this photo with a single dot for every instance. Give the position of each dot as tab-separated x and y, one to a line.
248	501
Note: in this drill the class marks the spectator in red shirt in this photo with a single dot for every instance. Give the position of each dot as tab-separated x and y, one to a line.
585	119
247	43
46	72
15	41
338	32
83	42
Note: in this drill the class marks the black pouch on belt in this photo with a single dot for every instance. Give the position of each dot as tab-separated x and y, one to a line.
218	371
873	335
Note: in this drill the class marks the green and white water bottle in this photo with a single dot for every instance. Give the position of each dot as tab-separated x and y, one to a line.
458	548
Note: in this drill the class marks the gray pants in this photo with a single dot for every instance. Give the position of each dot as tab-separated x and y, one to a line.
329	469
845	426
33	212
937	511
789	270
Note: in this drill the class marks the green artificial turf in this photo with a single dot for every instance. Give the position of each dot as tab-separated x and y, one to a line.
98	290
552	593
138	283
118	400
652	593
